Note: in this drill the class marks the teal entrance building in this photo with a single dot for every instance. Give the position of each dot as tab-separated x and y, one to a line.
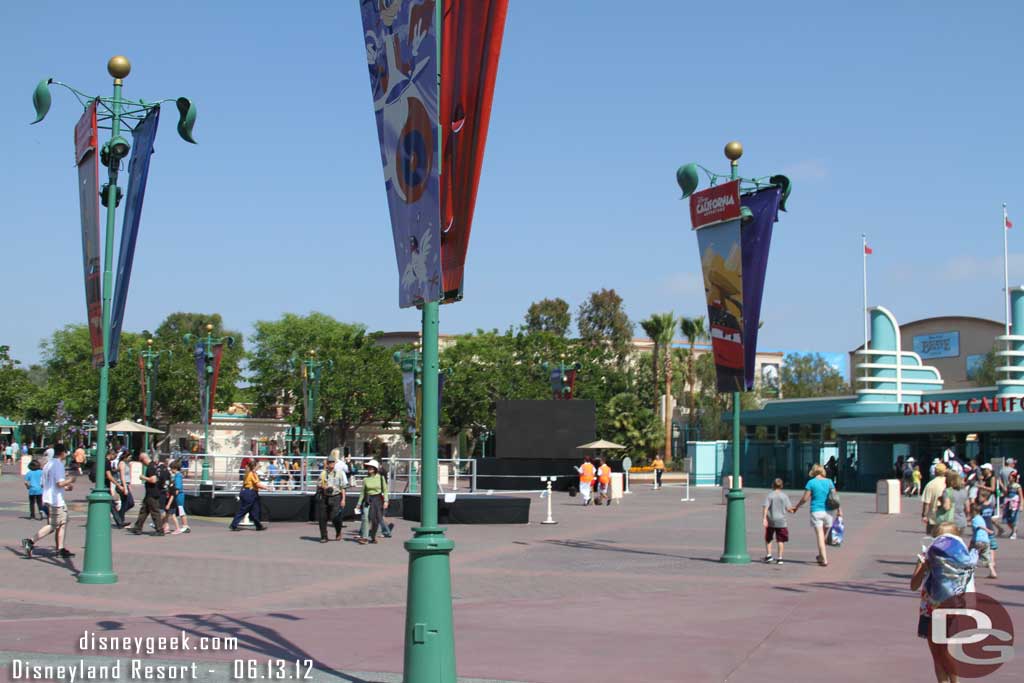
901	409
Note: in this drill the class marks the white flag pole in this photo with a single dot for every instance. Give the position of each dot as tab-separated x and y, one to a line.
1006	271
864	313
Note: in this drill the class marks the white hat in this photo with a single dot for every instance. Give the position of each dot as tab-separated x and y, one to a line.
987	466
935	461
910	459
373	463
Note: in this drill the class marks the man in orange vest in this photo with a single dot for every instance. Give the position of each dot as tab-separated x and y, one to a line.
587	472
604	482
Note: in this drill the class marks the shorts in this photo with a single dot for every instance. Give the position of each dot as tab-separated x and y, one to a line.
780	533
1010	517
821	520
984	553
58	516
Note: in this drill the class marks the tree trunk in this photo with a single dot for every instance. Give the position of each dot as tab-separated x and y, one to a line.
654	363
668	407
691	380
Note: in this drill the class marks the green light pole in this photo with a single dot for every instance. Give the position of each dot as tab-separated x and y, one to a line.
150	358
429	631
735	514
207	342
97	567
312	372
412	361
561	388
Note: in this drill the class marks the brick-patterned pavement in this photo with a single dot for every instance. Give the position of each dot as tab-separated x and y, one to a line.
631	592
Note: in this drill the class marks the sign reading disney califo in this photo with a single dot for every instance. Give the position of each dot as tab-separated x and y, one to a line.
996	404
715	205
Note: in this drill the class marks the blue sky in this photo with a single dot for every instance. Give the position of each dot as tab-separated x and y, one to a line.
899	119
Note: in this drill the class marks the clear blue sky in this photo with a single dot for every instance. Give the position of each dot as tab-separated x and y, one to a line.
899	119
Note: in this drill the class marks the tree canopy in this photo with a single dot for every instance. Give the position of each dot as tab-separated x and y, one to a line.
549	315
809	375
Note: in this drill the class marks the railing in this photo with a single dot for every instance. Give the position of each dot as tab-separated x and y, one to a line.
403	474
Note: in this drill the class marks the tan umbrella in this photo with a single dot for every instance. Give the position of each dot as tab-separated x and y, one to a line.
600	444
129	426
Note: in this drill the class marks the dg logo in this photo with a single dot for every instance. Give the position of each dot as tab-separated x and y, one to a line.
976	631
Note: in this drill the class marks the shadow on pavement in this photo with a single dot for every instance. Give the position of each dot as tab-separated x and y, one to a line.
590	545
259	639
48	556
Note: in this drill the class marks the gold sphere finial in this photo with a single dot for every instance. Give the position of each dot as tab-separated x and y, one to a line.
209	327
312	352
149	342
733	151
119	67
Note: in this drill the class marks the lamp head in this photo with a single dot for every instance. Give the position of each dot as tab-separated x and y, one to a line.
312	353
119	67
118	149
189	337
687	178
733	151
209	327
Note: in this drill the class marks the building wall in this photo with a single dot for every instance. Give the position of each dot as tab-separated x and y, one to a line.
976	338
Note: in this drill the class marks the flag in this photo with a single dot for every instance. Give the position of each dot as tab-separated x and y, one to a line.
868	250
1007	222
87	160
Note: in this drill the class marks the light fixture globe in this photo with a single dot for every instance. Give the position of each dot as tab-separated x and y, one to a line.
119	66
733	151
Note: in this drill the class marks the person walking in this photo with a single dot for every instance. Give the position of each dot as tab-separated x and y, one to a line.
330	493
55	483
915	489
586	471
110	474
955	506
34	484
176	503
817	492
123	476
775	506
604	482
944	571
249	498
152	503
659	469
1011	505
931	497
375	495
982	540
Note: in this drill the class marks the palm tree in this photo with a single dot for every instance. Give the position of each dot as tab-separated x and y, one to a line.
660	327
694	330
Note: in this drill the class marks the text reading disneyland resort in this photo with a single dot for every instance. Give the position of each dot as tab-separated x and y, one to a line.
106	657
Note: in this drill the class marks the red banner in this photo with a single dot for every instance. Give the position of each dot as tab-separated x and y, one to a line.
87	160
142	383
218	352
715	205
470	44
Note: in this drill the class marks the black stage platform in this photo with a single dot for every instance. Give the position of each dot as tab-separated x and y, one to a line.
473	509
299	507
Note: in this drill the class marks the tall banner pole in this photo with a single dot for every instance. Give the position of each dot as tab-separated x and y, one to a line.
1006	270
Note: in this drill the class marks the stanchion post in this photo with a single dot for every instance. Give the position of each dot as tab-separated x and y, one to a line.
549	481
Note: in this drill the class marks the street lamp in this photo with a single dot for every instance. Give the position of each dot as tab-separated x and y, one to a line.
117	111
312	372
149	360
562	378
411	363
734	235
206	359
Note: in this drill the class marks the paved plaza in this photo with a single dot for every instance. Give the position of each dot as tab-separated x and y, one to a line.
631	592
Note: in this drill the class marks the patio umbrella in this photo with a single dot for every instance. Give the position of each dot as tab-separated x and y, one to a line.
600	444
129	426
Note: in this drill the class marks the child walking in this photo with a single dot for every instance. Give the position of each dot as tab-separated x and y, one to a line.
982	540
915	478
774	519
34	484
176	502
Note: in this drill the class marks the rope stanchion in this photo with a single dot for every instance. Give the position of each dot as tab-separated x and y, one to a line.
549	481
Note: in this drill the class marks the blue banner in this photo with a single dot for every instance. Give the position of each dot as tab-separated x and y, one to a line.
138	172
199	353
401	52
757	239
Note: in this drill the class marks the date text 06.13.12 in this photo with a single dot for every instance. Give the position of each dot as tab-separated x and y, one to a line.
272	669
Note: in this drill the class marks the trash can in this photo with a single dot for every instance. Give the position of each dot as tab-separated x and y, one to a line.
887	497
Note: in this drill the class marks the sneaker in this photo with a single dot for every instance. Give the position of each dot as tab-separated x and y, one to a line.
186	530
779	561
160	533
177	532
28	544
768	559
234	528
134	532
1013	536
64	552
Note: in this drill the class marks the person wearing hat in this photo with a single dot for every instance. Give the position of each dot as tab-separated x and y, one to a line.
330	499
986	481
375	495
931	498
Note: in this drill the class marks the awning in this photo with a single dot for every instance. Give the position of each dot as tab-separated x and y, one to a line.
961	423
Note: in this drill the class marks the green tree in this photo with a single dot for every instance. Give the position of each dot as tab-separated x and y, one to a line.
549	315
176	398
695	331
661	327
362	383
603	322
632	424
15	387
809	375
986	374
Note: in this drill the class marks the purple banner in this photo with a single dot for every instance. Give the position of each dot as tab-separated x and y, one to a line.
138	172
200	356
757	238
401	52
87	160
